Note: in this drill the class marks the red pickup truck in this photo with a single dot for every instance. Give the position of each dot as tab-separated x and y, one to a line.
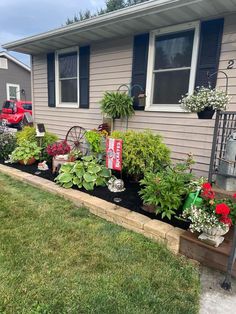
13	112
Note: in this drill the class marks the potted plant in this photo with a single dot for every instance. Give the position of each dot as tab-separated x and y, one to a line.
59	152
204	101
117	105
166	189
26	153
96	141
212	218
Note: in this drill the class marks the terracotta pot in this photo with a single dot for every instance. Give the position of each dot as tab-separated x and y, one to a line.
207	113
149	208
31	161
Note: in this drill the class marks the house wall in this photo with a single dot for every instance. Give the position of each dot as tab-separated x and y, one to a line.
111	66
15	74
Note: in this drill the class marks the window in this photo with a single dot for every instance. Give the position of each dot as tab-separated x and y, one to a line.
27	106
13	91
67	77
171	66
3	63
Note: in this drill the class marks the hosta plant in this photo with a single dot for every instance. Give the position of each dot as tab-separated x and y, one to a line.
205	98
117	105
85	173
25	152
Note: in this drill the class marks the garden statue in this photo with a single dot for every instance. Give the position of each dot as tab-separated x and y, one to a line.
116	185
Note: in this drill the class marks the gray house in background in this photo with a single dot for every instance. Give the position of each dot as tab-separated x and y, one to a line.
15	79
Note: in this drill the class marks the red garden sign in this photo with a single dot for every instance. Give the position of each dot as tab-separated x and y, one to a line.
114	154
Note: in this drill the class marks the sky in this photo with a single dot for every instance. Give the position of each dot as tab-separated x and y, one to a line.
23	18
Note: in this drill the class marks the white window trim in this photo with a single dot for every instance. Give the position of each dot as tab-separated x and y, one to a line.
65	104
17	90
151	57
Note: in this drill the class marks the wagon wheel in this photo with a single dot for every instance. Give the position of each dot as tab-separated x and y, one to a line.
75	137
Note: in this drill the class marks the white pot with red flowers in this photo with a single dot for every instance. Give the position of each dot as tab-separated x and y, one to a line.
212	218
59	152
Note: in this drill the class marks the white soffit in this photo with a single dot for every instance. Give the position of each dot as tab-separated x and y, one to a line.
133	20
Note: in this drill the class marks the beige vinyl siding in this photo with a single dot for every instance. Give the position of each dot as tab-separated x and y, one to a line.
111	65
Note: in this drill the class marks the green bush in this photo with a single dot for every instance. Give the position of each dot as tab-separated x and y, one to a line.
117	105
25	151
142	152
29	134
85	173
95	140
166	189
7	145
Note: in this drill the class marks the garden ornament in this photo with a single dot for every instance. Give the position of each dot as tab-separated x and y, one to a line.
116	185
43	166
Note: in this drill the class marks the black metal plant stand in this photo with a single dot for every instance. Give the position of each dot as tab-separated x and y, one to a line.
226	285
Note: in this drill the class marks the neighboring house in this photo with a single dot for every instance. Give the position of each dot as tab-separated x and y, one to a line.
15	79
166	46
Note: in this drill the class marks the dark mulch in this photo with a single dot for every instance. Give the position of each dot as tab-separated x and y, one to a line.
129	198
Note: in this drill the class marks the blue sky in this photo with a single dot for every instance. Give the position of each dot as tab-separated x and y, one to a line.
22	18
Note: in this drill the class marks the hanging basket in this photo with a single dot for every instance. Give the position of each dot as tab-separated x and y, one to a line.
207	113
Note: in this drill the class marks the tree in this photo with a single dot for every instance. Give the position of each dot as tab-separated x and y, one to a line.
110	5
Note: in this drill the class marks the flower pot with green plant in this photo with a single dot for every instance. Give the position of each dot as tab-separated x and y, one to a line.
117	105
166	189
205	101
212	218
26	153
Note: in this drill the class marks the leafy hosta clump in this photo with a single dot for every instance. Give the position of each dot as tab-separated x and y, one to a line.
85	173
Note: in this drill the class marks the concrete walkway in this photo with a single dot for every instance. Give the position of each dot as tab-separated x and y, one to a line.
215	300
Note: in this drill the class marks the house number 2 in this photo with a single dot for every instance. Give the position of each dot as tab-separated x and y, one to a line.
230	64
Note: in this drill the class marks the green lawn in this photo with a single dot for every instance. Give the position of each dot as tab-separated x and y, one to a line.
57	258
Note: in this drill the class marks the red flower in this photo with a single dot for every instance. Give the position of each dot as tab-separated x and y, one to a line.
206	186
208	194
226	220
222	209
234	196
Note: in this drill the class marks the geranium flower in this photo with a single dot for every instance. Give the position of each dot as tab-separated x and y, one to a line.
234	196
226	220
207	186
222	209
208	194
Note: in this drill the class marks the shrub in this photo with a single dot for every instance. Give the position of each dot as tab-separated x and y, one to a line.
7	145
142	152
117	105
85	173
25	151
29	134
166	189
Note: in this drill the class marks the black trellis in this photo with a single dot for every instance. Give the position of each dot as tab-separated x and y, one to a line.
225	125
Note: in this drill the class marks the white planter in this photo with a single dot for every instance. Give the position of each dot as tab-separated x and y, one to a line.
213	236
58	161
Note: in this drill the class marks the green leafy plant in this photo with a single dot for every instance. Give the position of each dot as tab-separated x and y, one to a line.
29	134
166	189
95	140
7	145
142	152
85	173
25	151
117	105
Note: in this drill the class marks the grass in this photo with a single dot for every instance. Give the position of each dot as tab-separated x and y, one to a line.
57	258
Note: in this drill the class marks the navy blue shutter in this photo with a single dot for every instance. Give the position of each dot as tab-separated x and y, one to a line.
139	69
209	52
51	79
84	60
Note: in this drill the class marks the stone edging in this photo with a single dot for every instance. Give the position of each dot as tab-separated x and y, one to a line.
151	228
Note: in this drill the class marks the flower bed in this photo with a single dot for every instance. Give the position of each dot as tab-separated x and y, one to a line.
129	198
